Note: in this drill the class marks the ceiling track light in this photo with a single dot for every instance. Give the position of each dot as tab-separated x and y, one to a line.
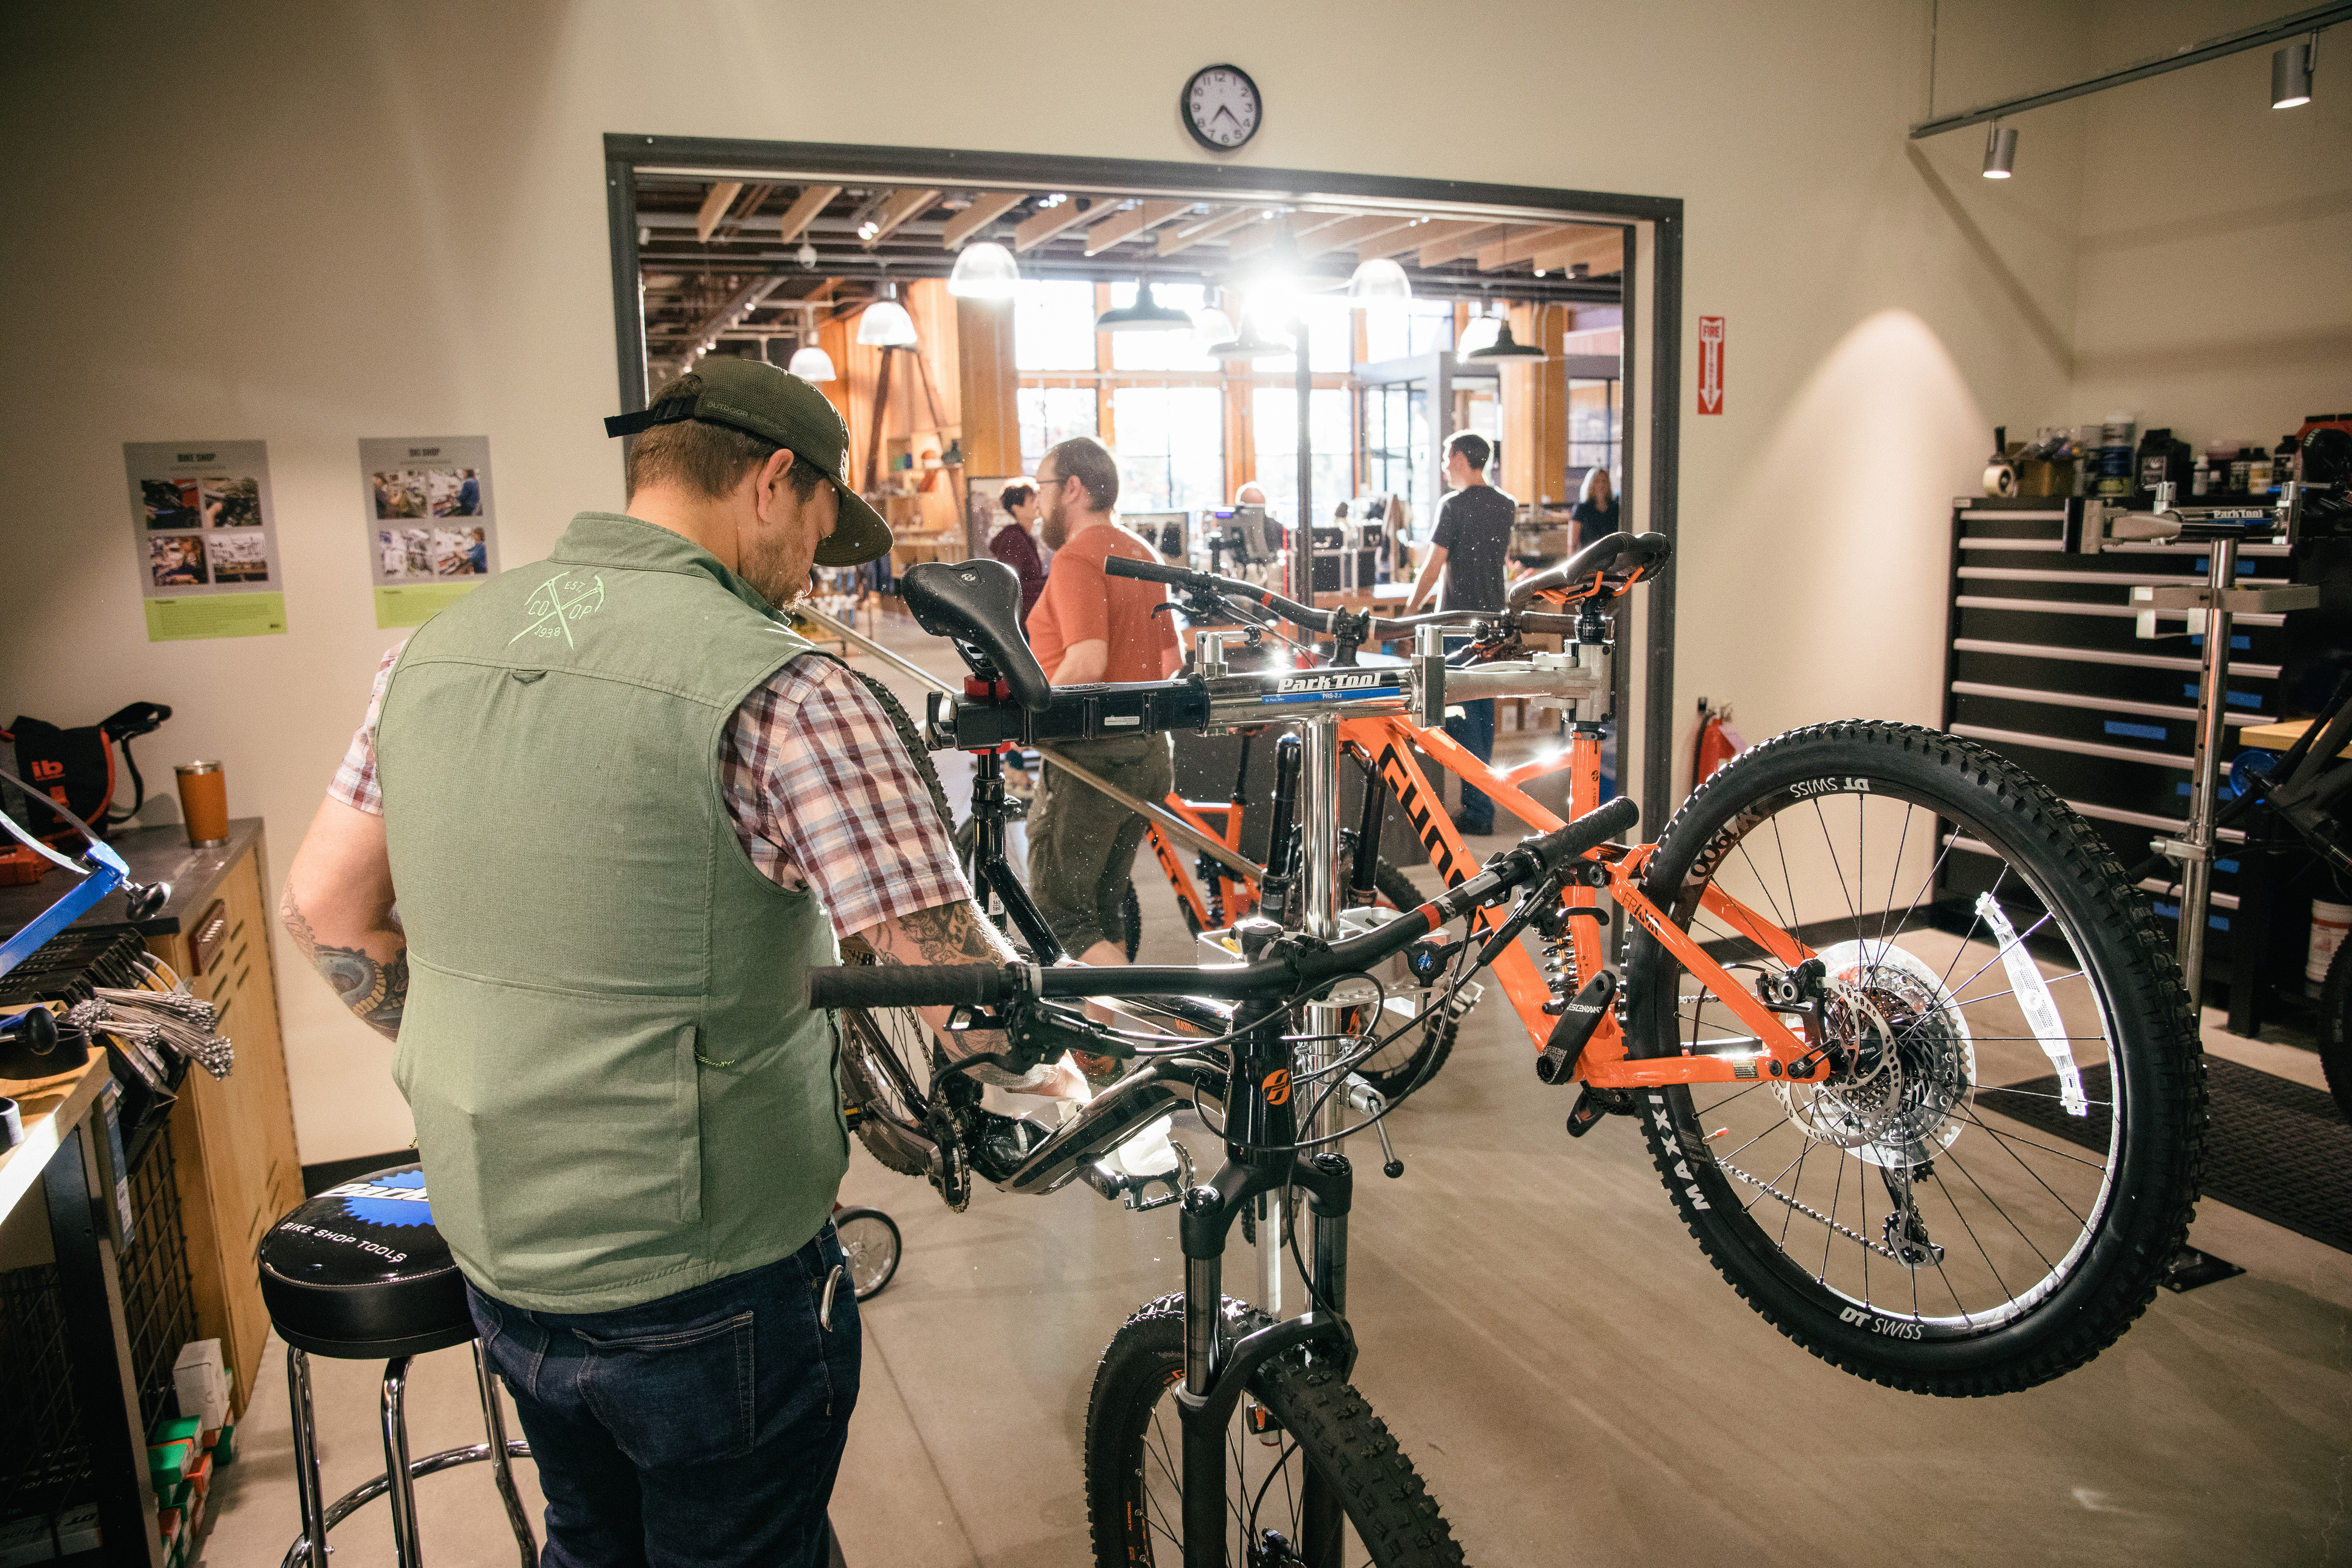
2290	68
2001	150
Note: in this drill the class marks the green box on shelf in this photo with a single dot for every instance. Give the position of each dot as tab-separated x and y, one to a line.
175	1428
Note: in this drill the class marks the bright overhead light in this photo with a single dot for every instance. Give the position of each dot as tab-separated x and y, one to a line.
2290	73
807	256
812	364
2001	150
1213	326
1504	347
1477	335
1146	315
1250	346
884	324
984	271
1379	284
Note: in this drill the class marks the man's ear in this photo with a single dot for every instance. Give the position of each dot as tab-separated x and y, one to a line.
767	478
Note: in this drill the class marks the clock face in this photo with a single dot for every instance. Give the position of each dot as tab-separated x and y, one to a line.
1221	107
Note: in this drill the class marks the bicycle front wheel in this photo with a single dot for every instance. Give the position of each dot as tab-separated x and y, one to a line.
1984	1191
1300	1417
870	1245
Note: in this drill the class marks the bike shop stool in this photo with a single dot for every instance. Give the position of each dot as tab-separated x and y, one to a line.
359	1272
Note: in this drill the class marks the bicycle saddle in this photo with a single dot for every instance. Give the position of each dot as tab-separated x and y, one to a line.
977	605
1627	557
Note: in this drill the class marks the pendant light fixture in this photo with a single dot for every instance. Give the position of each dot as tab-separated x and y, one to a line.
1504	346
984	271
2001	150
2290	73
812	363
1478	334
885	323
1146	315
1249	345
1379	284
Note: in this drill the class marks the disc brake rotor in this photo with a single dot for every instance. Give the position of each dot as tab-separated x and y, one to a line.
1905	1064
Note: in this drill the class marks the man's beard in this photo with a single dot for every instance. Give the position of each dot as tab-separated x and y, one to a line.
767	570
1052	529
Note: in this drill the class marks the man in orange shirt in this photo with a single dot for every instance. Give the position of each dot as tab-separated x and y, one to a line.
1088	627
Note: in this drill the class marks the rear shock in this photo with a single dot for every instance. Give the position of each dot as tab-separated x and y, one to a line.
1281	850
1361	890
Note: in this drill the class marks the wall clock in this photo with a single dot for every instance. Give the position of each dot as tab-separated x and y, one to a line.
1221	107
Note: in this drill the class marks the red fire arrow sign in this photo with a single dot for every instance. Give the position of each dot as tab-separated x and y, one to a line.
1711	364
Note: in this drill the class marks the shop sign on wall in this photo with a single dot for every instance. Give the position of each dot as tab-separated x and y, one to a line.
1711	364
207	538
432	527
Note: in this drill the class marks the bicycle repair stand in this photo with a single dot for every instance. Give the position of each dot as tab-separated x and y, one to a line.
2209	610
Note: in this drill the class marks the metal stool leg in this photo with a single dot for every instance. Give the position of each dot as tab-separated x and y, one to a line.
494	1420
310	1500
403	1490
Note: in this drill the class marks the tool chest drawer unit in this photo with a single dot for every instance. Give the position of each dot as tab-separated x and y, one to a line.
2043	664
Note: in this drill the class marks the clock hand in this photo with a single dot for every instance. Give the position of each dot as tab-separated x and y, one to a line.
1225	112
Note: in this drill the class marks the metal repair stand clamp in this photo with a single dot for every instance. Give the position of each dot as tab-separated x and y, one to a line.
2209	610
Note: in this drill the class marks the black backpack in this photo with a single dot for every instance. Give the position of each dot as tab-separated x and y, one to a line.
75	768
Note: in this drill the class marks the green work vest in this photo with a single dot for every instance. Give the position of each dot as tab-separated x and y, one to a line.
619	1091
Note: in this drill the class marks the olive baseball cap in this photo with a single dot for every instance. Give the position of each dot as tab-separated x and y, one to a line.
759	400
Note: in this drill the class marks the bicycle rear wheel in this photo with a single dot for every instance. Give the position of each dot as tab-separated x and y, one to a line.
1984	1191
870	1245
1135	1498
1415	1056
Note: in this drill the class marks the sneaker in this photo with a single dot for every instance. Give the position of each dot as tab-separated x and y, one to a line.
1469	829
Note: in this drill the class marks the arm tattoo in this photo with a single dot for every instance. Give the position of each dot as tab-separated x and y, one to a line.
951	933
376	991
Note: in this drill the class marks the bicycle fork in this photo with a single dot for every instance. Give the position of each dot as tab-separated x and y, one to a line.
1261	1108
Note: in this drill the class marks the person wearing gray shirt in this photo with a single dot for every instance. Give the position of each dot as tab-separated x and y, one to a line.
1468	554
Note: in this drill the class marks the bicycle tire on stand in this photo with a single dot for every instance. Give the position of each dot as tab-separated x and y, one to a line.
1133	1459
1948	1302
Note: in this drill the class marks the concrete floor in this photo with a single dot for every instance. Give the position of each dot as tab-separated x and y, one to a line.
1569	1373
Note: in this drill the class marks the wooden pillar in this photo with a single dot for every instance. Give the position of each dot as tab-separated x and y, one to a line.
988	387
1535	409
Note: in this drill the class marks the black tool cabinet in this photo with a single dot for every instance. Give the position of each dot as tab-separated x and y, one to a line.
2042	665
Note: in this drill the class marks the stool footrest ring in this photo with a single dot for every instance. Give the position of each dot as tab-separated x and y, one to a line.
359	1496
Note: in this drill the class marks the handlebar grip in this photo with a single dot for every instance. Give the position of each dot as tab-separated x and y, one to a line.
1149	570
907	986
1595	827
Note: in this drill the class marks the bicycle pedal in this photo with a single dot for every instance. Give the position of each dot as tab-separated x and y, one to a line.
1595	1104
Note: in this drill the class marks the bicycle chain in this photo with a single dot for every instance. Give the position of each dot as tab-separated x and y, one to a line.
1809	1213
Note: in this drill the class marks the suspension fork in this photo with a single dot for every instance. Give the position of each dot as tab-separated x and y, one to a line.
1262	1105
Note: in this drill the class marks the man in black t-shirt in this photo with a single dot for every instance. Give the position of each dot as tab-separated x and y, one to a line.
1468	553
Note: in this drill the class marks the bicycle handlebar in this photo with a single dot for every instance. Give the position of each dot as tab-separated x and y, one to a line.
1294	968
1324	621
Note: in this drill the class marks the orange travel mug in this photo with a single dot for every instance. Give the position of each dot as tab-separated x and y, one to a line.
203	801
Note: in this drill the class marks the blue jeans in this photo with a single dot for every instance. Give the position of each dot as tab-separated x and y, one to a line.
704	1429
1475	730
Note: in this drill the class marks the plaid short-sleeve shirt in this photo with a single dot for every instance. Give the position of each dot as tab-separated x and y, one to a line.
821	792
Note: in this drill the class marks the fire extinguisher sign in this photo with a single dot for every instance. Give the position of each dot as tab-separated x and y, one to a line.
1711	364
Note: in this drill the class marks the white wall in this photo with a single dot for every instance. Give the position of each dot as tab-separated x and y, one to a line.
312	224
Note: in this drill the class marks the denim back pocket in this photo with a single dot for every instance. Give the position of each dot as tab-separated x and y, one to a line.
677	1396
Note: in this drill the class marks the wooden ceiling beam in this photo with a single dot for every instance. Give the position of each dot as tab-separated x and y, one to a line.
897	211
1511	249
985	209
1141	218
1353	234
1601	251
1459	243
1184	233
1413	236
812	201
721	197
1039	228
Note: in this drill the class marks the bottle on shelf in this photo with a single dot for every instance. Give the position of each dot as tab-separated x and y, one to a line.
2116	458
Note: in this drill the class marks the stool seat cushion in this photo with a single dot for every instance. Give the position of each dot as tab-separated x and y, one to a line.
359	1272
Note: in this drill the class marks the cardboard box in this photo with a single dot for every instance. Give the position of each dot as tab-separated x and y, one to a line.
202	1380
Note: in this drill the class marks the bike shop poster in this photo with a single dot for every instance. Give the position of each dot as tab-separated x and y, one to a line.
432	527
206	538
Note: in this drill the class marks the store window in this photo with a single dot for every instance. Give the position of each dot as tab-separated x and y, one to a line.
1330	334
1397	444
1274	419
1593	416
1171	447
1161	351
1054	326
1050	415
1422	328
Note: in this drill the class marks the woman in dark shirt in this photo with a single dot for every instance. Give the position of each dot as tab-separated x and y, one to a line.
1596	507
1015	548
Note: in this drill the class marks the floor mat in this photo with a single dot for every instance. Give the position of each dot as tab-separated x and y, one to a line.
2280	1150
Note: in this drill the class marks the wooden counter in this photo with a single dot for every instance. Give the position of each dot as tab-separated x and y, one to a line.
234	1138
2278	737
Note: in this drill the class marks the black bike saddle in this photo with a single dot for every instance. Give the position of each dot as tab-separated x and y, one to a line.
1630	555
977	604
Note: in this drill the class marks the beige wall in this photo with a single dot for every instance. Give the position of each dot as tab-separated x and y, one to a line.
312	224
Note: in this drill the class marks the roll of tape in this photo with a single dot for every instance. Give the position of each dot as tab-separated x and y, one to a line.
12	1124
2000	479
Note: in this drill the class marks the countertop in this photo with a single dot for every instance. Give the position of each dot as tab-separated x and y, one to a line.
49	1111
153	854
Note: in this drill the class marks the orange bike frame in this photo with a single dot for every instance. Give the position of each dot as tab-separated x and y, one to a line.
1388	745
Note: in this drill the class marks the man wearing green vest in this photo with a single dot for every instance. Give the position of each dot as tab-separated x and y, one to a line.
624	810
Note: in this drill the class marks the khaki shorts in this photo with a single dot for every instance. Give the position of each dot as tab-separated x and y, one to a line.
1082	842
